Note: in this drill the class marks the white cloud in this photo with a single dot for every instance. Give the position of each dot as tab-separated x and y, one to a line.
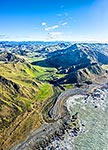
59	15
65	13
55	33
64	23
51	28
3	36
44	23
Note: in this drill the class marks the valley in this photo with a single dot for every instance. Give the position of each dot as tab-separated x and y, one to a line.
32	76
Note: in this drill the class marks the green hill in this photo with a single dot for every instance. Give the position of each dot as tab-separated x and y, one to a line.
25	88
21	101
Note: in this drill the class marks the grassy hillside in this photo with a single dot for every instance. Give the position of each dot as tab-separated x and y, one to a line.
25	88
22	97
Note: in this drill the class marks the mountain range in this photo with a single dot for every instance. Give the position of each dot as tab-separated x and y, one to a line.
29	73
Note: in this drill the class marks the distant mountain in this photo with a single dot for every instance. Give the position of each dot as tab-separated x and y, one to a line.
81	75
68	58
25	88
9	57
79	62
29	48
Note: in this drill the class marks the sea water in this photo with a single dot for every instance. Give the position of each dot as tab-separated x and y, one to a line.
93	117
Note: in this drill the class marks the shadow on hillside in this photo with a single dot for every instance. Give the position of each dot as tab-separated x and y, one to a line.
41	63
45	63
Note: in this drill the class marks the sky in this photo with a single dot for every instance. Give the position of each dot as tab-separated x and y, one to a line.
54	20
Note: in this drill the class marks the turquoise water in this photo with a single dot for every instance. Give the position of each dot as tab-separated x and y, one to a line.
93	116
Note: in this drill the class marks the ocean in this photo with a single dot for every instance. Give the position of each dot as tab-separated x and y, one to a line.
92	112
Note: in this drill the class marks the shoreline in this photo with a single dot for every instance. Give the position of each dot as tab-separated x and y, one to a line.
80	105
40	138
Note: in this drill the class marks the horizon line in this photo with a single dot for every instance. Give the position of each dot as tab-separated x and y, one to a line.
54	41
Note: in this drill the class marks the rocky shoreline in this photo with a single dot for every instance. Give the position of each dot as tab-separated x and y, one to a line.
77	126
64	123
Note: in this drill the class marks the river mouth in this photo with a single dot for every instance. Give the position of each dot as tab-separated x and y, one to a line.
92	112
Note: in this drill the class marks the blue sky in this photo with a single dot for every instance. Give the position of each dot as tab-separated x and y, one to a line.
51	20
